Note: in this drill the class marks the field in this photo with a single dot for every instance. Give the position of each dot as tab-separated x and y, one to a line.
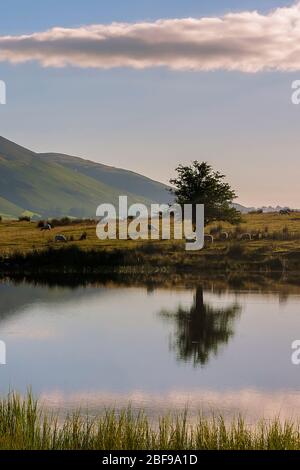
275	245
24	425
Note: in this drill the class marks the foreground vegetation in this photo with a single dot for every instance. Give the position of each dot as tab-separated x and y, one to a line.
274	246
24	425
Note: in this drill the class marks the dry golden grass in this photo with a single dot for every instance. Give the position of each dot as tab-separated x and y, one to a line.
274	222
25	236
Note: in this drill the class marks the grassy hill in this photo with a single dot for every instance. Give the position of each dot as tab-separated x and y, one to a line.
60	185
125	181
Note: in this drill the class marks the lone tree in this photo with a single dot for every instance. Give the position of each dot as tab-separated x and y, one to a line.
200	184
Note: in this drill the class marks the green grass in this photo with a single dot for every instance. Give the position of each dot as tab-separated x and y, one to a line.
24	425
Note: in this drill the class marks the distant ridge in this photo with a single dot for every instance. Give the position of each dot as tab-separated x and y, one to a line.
56	185
265	209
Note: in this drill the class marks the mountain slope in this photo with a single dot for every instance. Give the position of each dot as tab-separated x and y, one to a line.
124	180
53	185
8	209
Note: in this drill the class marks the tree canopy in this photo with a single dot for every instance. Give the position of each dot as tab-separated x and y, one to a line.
200	184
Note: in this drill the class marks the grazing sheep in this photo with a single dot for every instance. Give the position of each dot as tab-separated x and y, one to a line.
60	238
246	236
224	236
208	238
284	212
256	236
46	227
83	236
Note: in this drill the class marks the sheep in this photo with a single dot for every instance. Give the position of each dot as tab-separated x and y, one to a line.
208	238
83	236
284	212
246	236
46	227
256	236
224	236
60	238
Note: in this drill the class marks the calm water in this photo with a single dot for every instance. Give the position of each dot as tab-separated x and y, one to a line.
159	349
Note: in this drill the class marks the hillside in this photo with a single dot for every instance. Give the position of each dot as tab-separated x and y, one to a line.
124	180
61	185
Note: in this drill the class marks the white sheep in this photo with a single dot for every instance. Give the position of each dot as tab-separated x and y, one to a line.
208	238
60	238
246	236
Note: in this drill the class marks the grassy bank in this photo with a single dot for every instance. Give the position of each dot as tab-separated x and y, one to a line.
150	259
275	247
24	425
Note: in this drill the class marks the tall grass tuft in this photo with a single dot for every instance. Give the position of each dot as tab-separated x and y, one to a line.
25	425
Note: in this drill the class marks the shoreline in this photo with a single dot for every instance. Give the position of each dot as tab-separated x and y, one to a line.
73	259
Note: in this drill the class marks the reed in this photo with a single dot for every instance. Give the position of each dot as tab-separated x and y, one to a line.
25	425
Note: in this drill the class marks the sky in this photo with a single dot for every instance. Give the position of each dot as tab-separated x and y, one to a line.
147	85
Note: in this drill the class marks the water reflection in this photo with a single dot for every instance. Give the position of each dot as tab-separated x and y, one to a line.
201	329
252	404
105	343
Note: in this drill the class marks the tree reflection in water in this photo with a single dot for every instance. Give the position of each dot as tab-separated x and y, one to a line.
202	329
